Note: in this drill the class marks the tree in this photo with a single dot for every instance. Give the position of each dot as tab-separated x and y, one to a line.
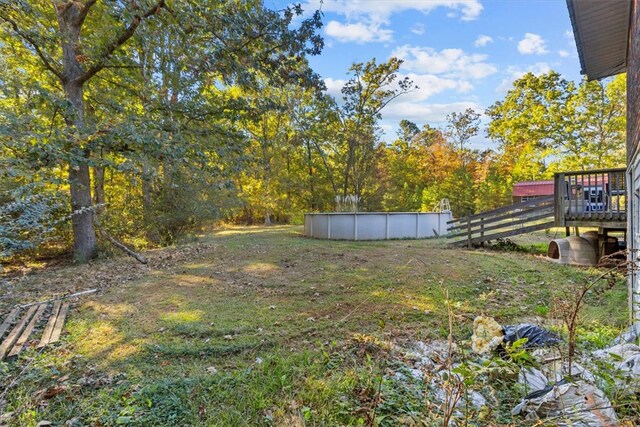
547	123
74	63
461	127
372	87
142	86
600	132
412	165
408	130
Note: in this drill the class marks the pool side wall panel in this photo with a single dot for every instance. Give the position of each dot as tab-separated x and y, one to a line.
375	225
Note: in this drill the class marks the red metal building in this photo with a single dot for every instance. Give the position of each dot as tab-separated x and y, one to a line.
528	190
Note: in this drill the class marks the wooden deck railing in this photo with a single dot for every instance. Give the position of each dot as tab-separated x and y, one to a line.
594	198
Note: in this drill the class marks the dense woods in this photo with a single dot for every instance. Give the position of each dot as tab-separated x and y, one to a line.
148	121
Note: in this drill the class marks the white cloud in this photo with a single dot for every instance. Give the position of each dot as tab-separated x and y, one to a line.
429	85
571	42
368	20
418	29
358	32
452	63
334	86
514	73
532	44
425	113
386	128
563	53
469	9
483	40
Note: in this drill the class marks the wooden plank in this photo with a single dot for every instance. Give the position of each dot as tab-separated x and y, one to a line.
519	212
57	330
46	335
620	225
15	333
8	321
509	233
515	218
504	209
17	348
519	221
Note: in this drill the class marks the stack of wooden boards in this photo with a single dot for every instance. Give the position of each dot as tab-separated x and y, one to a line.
13	343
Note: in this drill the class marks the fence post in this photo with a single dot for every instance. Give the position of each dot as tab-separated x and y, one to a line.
469	231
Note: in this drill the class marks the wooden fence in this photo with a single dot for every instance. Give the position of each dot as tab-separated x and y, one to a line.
519	218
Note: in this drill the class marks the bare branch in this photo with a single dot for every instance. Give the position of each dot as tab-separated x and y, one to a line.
126	35
4	16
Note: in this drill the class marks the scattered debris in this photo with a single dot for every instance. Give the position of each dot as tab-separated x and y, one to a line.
430	360
625	358
558	394
535	335
569	404
61	297
630	335
488	335
212	370
429	356
533	379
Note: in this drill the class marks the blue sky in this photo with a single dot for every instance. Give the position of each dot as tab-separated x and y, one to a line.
461	53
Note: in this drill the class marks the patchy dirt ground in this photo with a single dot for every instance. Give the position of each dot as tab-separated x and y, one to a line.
250	326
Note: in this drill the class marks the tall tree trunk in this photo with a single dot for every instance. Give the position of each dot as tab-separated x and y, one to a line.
70	21
84	235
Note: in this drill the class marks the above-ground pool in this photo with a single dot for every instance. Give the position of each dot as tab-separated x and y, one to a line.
375	225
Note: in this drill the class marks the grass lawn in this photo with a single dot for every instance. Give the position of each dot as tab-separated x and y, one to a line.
260	326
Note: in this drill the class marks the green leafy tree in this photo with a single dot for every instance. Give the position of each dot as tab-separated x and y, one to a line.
372	87
461	127
546	124
139	88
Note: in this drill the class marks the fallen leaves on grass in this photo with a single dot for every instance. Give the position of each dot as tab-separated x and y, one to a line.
49	393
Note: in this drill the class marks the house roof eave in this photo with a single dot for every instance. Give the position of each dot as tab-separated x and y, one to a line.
601	32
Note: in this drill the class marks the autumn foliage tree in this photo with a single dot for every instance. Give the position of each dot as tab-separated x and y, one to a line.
165	84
